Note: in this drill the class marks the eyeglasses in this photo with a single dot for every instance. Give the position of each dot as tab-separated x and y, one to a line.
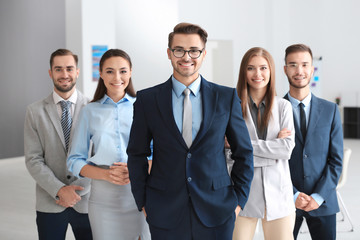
179	53
296	65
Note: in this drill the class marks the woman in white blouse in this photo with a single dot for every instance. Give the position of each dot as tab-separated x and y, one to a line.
106	123
270	123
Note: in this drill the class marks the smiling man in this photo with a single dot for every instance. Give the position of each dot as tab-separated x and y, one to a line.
61	198
316	161
188	194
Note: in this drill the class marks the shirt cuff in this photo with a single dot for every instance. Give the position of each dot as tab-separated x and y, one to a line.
318	199
296	195
77	166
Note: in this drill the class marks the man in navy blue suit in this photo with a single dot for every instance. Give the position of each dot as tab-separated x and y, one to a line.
188	193
316	161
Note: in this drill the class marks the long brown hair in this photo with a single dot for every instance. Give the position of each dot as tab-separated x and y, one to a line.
101	88
243	88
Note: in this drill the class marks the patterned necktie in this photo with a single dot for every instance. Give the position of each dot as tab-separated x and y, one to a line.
302	120
66	121
187	118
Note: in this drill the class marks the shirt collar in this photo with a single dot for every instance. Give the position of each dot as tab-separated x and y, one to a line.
107	99
254	104
295	102
72	98
179	88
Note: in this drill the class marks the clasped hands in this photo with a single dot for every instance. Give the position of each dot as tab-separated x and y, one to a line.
68	197
118	174
306	202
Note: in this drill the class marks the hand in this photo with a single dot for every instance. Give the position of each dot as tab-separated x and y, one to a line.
302	201
284	133
143	209
119	174
237	210
312	205
68	196
227	145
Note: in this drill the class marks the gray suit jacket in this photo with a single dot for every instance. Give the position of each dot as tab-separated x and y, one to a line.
45	154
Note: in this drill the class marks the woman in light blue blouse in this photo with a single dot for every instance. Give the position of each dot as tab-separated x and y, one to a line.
106	123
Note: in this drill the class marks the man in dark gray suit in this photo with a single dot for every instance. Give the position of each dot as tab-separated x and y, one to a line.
61	198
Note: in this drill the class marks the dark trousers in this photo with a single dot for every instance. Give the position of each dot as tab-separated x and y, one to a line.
191	228
321	228
53	226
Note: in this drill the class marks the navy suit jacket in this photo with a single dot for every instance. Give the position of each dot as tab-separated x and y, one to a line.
316	162
179	173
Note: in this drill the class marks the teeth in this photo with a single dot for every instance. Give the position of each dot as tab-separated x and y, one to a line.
186	64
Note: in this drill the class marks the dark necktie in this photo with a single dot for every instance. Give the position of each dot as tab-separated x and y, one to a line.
66	121
302	120
187	118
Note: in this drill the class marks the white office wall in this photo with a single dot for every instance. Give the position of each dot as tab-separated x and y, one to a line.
142	29
89	23
31	30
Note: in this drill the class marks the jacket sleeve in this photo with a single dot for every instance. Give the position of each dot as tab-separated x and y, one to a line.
34	157
139	149
266	152
331	174
242	153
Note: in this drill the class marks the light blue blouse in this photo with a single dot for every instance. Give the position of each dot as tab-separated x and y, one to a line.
107	125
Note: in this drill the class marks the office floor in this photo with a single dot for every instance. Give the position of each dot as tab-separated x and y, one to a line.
17	200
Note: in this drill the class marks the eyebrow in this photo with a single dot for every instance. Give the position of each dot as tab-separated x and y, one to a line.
262	65
65	67
297	62
110	68
191	48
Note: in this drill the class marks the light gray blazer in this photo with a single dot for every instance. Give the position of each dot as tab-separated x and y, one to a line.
271	188
45	154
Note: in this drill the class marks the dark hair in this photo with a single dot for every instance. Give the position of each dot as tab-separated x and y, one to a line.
101	88
242	85
62	52
297	48
188	28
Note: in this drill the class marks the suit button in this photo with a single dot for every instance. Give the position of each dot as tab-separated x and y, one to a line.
68	176
189	179
305	156
189	155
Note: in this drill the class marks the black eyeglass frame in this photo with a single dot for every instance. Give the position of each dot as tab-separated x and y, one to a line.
188	52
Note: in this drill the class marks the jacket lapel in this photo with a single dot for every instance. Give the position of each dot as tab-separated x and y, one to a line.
209	103
164	101
315	113
298	134
50	108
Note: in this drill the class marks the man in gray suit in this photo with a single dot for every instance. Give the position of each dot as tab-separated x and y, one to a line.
61	198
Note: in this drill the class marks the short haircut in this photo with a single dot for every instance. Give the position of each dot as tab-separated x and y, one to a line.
62	52
188	28
297	48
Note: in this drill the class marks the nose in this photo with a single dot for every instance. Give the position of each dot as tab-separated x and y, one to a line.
64	73
186	56
117	76
258	72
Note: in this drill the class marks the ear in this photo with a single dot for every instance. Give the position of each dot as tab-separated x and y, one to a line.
312	70
285	69
169	53
50	74
204	53
77	72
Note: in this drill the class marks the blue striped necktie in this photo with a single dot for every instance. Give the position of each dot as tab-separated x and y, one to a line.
66	121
